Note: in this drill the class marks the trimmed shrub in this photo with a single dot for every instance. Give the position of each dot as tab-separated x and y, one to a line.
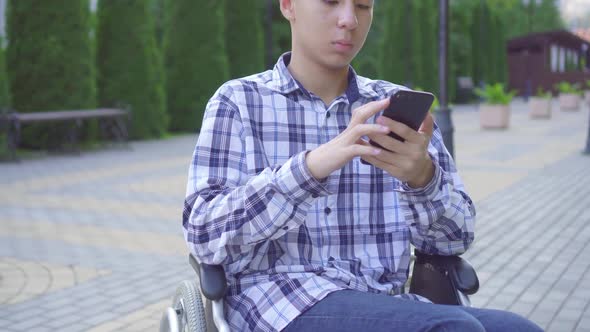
195	57
244	37
4	95
129	65
395	43
49	62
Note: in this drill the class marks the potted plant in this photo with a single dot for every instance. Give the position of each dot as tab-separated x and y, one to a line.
569	96
540	104
495	112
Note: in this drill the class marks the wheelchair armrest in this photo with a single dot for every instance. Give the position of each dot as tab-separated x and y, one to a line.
439	278
212	279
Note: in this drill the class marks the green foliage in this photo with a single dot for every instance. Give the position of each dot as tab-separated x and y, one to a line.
4	94
158	11
244	38
129	65
366	63
541	93
461	48
567	87
281	32
49	62
495	94
395	42
588	84
424	51
196	61
515	16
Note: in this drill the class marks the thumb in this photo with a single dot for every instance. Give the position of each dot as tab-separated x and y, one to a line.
427	126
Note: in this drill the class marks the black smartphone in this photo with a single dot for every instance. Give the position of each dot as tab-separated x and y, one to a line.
408	107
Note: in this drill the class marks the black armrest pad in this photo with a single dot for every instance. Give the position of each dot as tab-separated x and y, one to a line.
212	278
460	272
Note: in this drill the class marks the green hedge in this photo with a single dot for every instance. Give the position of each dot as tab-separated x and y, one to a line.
129	65
195	56
49	62
4	94
244	38
394	46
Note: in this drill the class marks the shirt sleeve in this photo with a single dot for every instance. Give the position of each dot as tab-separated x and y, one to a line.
227	209
441	216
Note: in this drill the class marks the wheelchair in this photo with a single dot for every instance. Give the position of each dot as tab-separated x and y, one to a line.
441	279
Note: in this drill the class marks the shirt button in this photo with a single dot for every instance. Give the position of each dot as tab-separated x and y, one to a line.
314	195
285	228
327	114
327	210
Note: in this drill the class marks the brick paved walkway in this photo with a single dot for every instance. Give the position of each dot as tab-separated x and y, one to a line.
93	242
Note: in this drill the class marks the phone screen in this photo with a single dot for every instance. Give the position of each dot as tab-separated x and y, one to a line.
408	107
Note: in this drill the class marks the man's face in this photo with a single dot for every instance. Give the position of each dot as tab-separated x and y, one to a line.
329	32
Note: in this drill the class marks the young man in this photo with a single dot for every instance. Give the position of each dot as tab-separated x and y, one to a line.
311	238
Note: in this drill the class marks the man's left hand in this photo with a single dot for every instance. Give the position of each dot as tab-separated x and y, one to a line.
408	161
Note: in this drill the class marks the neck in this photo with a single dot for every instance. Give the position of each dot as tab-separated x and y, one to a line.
325	83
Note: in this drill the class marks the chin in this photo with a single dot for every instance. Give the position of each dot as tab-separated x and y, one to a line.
337	61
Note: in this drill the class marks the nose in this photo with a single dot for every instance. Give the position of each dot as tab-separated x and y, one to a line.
347	17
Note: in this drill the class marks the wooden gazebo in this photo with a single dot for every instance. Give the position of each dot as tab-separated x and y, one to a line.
544	59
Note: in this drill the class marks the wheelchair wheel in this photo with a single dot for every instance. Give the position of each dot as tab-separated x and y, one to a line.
192	313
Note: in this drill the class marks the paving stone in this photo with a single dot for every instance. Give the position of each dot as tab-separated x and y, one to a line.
40	329
62	322
561	326
101	318
29	323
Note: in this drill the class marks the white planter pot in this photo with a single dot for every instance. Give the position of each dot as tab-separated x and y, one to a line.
540	107
587	96
494	116
569	101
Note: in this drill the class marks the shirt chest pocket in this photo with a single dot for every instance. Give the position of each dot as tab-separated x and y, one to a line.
377	207
381	214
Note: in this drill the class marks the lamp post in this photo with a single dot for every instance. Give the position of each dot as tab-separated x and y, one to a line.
443	114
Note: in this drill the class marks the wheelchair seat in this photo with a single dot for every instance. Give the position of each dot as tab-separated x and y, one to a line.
441	279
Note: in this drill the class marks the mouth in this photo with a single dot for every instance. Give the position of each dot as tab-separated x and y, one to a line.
342	45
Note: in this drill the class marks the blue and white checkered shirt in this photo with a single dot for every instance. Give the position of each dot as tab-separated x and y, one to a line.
285	239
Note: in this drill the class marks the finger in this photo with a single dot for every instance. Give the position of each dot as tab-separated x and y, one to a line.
363	150
363	113
399	128
427	126
391	169
390	143
368	130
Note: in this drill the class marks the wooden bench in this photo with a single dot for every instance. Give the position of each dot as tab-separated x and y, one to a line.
111	121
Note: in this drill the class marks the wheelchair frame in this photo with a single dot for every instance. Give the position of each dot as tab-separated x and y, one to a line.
441	279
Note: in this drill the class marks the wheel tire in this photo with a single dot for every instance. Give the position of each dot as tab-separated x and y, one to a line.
193	317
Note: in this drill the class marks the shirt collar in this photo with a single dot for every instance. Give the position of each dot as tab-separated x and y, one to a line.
286	83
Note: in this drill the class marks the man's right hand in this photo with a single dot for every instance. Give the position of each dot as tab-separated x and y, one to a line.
331	156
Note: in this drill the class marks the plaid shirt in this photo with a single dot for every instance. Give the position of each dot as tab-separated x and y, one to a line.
285	239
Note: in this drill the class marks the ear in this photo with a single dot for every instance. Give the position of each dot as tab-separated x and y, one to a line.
287	9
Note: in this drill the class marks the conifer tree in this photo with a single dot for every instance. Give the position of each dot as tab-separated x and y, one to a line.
129	65
195	58
244	37
49	62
